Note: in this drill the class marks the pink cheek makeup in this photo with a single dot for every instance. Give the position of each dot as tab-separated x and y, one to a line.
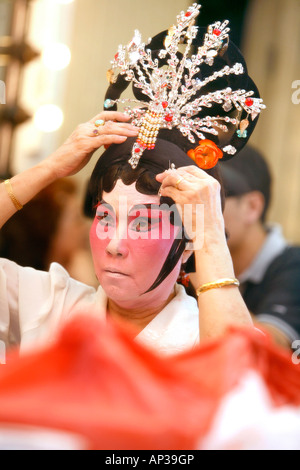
148	232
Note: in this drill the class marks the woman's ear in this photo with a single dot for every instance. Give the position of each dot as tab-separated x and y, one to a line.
255	206
186	255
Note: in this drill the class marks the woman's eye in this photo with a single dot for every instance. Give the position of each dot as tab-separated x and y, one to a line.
105	218
143	224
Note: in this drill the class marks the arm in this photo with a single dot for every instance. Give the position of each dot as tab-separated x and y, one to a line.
69	159
221	307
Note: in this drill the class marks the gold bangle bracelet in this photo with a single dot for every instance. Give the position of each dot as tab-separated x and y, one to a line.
13	198
216	284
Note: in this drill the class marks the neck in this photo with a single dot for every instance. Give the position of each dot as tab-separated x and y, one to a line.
245	252
139	317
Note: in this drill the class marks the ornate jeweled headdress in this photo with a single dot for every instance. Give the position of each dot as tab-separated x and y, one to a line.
179	90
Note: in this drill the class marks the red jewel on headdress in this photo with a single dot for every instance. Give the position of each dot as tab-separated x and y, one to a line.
206	155
169	117
216	32
249	102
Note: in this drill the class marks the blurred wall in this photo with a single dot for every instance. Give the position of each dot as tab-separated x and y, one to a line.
93	30
98	29
272	50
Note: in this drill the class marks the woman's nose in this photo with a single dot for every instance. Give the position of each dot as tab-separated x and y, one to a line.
117	245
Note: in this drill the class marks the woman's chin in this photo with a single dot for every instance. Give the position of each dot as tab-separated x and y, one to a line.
118	291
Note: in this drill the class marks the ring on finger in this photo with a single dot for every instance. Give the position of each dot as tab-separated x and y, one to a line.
99	122
178	182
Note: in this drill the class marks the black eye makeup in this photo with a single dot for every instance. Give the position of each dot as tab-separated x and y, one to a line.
144	223
143	218
105	214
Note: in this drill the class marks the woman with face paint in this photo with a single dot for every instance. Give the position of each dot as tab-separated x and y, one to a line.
155	200
138	266
138	246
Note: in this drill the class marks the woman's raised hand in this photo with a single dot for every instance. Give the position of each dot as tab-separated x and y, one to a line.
106	128
195	192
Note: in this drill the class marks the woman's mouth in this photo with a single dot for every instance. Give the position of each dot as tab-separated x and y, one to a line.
114	272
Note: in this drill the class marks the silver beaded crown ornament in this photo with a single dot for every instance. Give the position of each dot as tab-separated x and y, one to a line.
171	89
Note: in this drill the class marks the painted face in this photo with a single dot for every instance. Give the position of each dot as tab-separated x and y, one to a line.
130	238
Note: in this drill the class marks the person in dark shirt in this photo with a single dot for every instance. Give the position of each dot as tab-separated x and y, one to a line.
267	266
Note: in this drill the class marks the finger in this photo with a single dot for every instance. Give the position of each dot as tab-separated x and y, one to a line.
98	136
176	179
108	140
195	171
166	174
111	115
184	170
112	128
116	127
118	131
171	192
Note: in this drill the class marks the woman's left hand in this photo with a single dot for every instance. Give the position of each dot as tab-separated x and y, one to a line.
194	192
218	308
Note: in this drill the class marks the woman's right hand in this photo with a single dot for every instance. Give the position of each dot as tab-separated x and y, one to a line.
70	158
78	149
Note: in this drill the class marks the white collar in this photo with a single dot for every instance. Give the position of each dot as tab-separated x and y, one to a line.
174	329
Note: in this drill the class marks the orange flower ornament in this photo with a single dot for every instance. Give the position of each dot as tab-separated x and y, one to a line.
206	155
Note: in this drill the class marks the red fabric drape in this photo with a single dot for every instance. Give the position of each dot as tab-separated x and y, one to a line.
96	382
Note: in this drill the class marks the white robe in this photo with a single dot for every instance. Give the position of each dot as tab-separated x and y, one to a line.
34	304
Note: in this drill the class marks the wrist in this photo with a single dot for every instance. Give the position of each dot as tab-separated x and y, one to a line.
219	283
214	242
211	228
213	261
48	171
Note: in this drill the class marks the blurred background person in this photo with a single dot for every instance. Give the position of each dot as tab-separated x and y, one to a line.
51	228
267	266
